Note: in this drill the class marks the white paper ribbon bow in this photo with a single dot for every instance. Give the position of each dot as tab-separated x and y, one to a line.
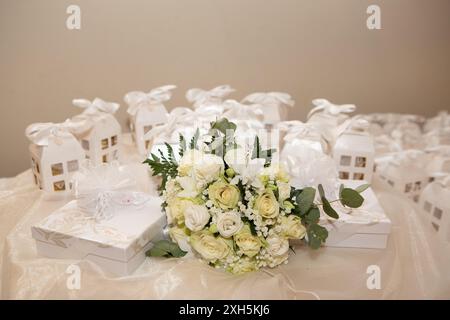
100	190
41	133
202	97
177	117
239	111
272	99
139	99
95	109
97	105
329	108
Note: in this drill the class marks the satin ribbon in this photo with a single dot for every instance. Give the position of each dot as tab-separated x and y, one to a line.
41	133
177	117
139	99
299	130
100	190
270	99
202	97
411	155
237	110
97	105
356	125
323	105
93	110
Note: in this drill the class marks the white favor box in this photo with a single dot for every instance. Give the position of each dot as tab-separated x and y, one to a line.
117	245
364	227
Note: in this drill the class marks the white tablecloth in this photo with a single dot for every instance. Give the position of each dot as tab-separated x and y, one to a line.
416	264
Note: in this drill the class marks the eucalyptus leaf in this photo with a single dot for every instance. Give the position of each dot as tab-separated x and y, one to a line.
327	208
165	248
316	235
362	188
312	216
351	198
306	199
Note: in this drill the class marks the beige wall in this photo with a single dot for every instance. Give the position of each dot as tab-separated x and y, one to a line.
309	48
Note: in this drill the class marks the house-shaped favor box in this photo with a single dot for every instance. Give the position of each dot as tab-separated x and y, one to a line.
98	130
406	175
354	153
54	158
434	205
145	111
117	245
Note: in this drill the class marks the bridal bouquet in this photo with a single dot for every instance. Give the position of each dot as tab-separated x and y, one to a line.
232	206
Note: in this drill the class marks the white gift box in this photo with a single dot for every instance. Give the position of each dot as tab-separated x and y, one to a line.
145	111
364	227
55	156
354	153
118	244
97	130
434	205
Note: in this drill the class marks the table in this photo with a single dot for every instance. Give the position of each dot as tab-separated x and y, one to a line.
415	265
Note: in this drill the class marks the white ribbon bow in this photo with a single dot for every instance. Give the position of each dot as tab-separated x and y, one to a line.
240	111
100	190
330	108
139	99
41	133
270	99
97	105
175	118
202	97
411	155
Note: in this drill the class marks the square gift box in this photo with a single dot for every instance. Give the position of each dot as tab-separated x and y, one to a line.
364	227
118	244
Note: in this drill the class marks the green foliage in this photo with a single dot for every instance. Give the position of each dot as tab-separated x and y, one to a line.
165	248
362	188
327	208
316	235
183	146
305	199
351	198
257	152
312	216
194	140
163	166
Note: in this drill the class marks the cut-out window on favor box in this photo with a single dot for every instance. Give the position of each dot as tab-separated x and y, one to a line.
427	206
360	162
59	185
57	169
147	129
346	160
114	155
391	183
72	165
437	213
147	144
417	185
343	175
416	198
408	187
113	140
104	158
104	143
358	176
85	144
435	226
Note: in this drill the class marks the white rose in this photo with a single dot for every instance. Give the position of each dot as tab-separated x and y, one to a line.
196	217
179	235
292	227
229	223
209	247
284	191
208	168
277	246
187	162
